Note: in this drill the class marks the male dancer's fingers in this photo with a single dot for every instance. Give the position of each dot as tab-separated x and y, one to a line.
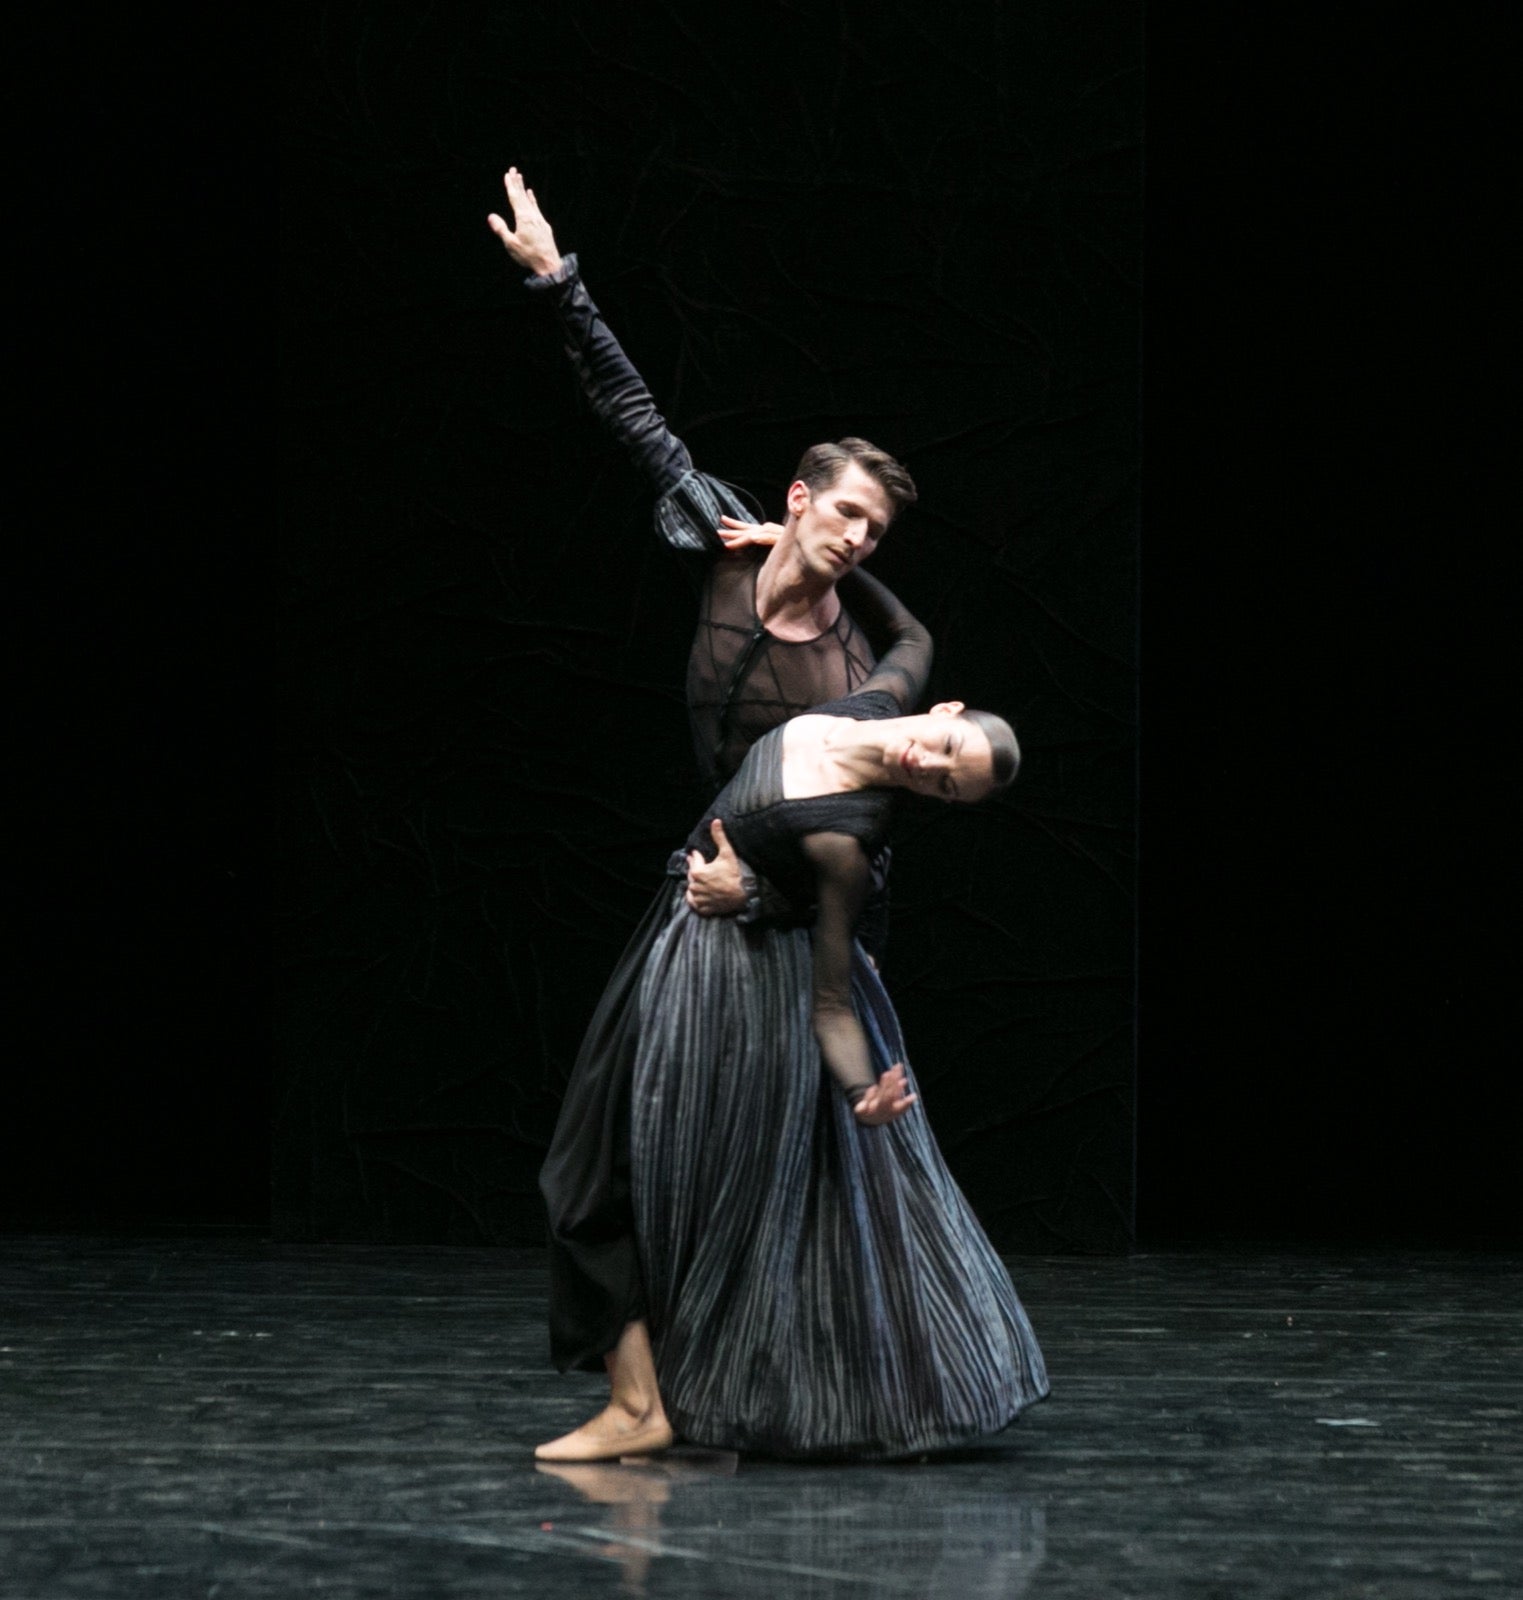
696	867
721	839
515	190
737	535
520	196
531	240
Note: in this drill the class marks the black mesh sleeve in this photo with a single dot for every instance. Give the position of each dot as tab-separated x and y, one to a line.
904	642
872	925
842	878
904	667
767	905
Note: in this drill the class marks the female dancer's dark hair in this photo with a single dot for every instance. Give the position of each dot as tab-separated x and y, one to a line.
1001	737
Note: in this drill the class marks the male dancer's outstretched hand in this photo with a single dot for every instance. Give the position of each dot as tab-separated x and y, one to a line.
888	1099
716	888
531	240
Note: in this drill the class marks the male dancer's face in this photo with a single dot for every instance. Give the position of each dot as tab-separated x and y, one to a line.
840	525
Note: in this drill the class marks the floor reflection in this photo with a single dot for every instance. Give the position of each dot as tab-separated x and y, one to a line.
636	1488
699	1522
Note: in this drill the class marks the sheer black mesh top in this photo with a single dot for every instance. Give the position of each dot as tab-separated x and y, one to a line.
741	680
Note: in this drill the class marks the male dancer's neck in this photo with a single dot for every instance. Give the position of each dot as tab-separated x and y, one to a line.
792	602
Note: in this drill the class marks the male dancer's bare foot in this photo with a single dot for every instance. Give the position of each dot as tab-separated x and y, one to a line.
634	1421
612	1433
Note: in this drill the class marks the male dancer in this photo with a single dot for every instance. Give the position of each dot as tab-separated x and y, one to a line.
774	638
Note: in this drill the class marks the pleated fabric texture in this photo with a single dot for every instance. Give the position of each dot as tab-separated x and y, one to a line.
814	1288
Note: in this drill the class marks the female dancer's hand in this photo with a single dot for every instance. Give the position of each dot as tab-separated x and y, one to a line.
531	240
888	1099
739	535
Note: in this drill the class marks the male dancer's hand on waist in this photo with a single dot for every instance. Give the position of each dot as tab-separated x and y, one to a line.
717	888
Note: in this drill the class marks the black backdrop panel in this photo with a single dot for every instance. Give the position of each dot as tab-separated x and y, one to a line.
803	220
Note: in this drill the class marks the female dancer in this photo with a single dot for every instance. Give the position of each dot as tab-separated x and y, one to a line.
766	1256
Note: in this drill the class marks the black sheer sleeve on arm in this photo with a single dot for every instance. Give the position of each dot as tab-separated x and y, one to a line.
766	903
615	391
905	665
842	881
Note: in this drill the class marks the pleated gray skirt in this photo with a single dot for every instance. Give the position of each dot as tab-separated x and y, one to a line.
814	1288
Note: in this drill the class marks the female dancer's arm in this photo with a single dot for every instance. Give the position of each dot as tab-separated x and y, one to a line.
843	880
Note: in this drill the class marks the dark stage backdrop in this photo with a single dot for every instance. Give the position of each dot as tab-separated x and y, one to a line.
919	224
1329	910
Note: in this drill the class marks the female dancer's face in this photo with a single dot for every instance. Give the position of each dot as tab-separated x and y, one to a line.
941	754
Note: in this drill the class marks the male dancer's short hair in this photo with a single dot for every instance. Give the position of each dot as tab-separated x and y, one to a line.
822	464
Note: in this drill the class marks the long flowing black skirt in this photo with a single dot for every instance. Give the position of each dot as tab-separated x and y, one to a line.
813	1288
596	1285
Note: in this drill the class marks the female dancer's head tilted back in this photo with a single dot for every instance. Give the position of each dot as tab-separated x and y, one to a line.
952	753
948	753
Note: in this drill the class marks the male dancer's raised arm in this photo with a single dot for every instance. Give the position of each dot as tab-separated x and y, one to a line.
614	390
774	637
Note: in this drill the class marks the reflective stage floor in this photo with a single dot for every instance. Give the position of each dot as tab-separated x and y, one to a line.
220	1417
